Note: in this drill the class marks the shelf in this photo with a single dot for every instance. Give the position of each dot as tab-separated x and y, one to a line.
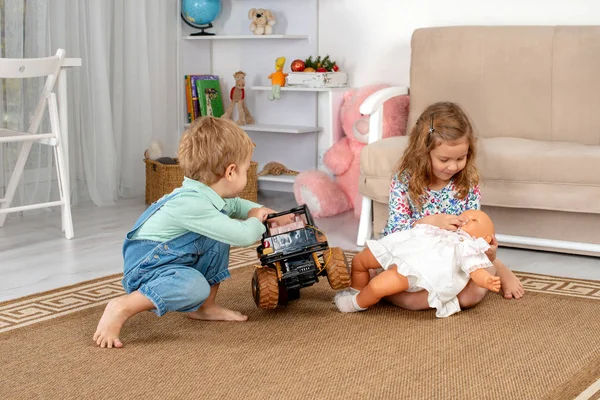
245	37
293	129
280	128
300	88
278	178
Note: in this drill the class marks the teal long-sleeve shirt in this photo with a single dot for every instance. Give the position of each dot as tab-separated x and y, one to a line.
200	209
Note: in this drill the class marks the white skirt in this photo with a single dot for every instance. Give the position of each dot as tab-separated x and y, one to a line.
433	259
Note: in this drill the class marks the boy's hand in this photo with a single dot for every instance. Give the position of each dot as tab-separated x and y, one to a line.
443	221
491	253
260	213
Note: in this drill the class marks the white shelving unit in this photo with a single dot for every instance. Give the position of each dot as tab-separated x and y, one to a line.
292	129
245	37
298	128
286	179
298	89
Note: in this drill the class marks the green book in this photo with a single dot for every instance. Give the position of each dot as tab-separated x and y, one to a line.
209	97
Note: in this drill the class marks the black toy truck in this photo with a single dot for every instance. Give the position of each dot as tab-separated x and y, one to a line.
292	256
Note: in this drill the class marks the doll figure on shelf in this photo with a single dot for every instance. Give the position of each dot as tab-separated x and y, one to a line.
424	257
237	95
277	79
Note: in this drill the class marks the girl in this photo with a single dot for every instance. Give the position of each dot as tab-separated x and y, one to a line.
434	182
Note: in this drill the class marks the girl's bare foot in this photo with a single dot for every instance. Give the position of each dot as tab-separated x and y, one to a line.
117	311
217	313
511	285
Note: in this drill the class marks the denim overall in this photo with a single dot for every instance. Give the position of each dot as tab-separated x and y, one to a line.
175	275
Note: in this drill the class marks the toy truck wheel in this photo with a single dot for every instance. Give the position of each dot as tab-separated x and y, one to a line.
265	288
338	273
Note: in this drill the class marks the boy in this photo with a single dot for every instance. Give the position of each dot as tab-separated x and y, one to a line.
178	251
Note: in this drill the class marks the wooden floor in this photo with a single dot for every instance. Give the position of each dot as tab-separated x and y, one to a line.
35	256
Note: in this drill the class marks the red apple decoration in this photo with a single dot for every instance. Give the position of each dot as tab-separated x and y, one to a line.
297	66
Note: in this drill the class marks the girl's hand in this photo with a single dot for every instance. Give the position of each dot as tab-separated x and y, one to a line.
444	221
491	253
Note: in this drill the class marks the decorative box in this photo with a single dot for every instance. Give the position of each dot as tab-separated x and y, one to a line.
318	79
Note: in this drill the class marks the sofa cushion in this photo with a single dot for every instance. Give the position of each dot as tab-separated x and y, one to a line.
534	82
514	172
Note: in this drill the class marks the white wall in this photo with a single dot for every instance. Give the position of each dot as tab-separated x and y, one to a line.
373	43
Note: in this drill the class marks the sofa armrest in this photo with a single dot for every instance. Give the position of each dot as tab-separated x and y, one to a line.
373	106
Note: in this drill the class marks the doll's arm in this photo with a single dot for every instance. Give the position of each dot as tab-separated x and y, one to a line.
475	261
339	157
484	279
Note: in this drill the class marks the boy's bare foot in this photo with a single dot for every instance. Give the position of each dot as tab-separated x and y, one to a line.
117	311
107	332
217	313
511	285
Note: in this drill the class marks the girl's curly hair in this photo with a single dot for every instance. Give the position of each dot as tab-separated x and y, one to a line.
440	122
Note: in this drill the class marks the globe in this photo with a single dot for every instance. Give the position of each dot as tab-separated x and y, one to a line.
200	14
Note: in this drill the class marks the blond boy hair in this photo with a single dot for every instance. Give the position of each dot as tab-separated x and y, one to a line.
209	146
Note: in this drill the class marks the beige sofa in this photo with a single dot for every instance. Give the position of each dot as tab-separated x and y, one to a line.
533	95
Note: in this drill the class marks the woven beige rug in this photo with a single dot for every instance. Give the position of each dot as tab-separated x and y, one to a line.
546	345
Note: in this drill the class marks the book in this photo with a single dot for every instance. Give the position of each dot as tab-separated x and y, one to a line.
195	104
210	99
188	98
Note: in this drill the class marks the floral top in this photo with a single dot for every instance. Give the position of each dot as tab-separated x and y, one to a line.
403	213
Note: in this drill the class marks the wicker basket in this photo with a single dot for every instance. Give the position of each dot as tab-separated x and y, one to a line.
162	179
250	192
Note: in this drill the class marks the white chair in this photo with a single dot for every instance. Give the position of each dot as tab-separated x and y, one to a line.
373	107
31	68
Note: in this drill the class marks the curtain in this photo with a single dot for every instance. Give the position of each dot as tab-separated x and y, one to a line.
23	34
121	99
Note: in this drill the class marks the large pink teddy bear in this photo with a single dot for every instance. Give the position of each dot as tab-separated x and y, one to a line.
325	196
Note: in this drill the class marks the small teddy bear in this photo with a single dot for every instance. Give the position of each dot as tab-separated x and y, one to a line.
262	21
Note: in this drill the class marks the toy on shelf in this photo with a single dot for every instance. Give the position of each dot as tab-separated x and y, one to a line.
262	21
277	79
237	95
328	197
293	254
276	168
424	257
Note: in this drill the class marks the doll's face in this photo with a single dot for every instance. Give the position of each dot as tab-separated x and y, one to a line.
478	225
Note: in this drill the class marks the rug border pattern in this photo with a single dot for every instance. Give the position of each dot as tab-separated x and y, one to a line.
41	307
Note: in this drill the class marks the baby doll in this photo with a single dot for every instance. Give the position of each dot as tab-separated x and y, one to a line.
424	257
